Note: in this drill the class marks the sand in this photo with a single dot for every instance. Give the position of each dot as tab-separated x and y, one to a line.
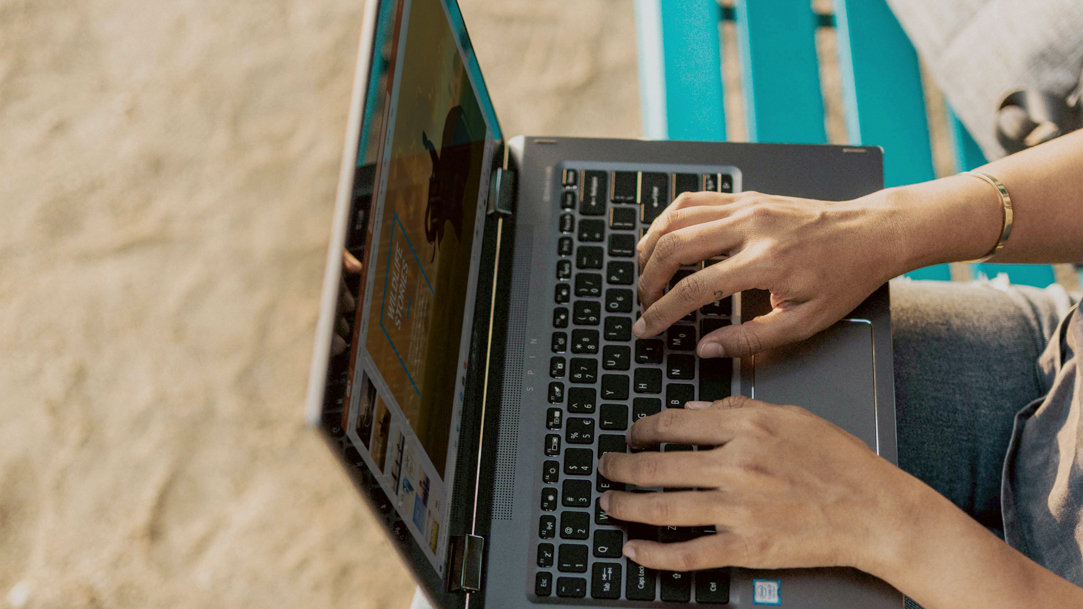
168	174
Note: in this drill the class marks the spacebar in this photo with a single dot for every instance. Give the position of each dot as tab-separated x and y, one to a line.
715	375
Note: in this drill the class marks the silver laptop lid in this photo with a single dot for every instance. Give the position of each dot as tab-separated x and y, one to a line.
387	380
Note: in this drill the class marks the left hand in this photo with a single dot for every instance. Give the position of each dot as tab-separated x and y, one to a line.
782	487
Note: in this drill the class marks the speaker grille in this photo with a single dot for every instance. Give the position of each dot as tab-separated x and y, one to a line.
507	443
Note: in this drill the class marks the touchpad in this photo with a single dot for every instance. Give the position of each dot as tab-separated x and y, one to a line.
831	374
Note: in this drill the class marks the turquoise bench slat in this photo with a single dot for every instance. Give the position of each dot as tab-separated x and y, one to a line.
780	71
680	69
1038	275
882	93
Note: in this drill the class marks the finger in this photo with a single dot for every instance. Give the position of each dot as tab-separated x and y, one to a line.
715	282
687	200
674	219
679	508
350	262
701	427
653	469
704	552
342	327
781	326
346	301
688	245
338	344
732	402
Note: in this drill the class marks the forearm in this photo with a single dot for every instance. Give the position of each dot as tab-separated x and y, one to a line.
944	559
960	217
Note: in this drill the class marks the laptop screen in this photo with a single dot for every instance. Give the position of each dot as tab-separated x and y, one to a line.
399	355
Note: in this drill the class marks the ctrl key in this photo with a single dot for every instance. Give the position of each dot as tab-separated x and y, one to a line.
571	587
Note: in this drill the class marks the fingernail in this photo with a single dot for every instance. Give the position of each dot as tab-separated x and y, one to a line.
696	405
630	551
711	350
640	328
604	501
601	464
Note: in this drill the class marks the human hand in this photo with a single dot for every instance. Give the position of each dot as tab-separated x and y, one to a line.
347	304
818	259
782	487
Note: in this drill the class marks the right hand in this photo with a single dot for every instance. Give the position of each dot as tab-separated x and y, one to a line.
818	259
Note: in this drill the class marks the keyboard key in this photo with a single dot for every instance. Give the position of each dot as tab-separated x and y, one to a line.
641	583
557	367
618	300
710	182
549	499
671	534
574	525
654	195
618	328
713	586
563	293
600	517
603	484
645	407
550	472
679	394
676	448
622	218
579	430
616	357
685	182
567	200
649	351
592	230
571	587
583	370
613	417
610	443
715	376
678	277
585	341
680	367
564	246
648	380
608	543
614	387
605	580
552	445
543	584
676	587
547	527
620	272
560	317
725	183
581	400
589	257
545	554
587	312
710	324
579	462
681	338
626	187
718	307
569	178
564	269
572	558
593	198
575	494
556	392
588	285
622	244
553	418
567	223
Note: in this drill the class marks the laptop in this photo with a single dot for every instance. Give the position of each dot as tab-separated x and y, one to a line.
474	354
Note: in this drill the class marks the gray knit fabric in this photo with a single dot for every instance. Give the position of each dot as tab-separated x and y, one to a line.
979	50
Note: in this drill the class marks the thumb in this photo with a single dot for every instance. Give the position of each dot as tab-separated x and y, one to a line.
779	327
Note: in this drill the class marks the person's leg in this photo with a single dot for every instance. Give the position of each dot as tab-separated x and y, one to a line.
965	363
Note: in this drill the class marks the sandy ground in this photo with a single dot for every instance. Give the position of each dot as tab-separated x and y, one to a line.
168	172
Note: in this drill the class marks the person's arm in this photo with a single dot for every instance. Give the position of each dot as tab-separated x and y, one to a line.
820	259
784	488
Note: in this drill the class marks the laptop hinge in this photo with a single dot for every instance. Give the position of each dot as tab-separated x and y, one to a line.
501	192
467	554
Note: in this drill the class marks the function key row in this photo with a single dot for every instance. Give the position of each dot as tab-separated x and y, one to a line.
653	191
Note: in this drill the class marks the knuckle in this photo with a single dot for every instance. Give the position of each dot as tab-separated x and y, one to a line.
645	470
686	559
690	288
659	510
668	245
666	421
735	401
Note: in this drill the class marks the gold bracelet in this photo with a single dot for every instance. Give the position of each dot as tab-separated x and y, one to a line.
1009	216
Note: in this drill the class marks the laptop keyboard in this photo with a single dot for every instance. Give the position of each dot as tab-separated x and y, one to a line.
602	379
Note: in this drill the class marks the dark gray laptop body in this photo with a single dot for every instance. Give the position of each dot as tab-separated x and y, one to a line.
469	530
